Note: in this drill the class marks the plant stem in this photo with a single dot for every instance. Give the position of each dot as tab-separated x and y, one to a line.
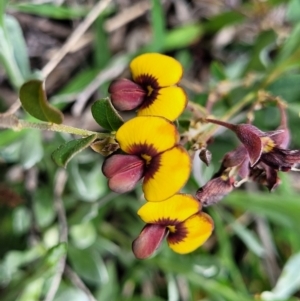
235	109
59	128
11	122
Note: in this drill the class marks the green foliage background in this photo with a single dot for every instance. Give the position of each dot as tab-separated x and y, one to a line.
254	252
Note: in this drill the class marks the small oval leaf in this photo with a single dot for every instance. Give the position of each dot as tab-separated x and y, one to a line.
106	115
34	101
67	151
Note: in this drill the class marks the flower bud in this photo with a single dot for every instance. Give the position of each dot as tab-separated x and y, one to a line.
148	241
214	190
123	172
126	95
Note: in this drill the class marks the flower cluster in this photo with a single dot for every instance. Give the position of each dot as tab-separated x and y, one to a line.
150	152
259	158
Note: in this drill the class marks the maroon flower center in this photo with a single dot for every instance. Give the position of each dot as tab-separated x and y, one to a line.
150	156
150	85
177	231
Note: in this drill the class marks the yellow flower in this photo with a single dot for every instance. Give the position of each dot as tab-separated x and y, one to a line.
179	219
154	90
152	153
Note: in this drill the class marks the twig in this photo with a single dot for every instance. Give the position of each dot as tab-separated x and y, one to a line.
74	278
127	15
13	108
75	37
11	122
60	181
31	183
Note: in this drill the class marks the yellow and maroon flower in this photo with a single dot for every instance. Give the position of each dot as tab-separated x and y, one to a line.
154	90
150	144
179	219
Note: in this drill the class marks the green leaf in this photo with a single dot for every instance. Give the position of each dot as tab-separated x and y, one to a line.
288	282
31	151
67	151
16	39
290	47
219	21
88	264
34	100
83	235
158	23
286	87
50	11
55	254
217	71
182	36
90	184
293	11
2	11
269	205
106	115
102	51
259	57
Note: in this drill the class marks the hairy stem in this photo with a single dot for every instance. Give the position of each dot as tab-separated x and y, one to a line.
235	109
11	122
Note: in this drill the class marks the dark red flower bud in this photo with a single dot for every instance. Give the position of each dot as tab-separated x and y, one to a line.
125	94
123	172
148	241
214	190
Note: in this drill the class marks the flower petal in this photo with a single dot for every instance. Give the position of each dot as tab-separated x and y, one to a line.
123	171
148	241
164	69
171	211
166	174
169	103
125	94
251	141
148	135
191	234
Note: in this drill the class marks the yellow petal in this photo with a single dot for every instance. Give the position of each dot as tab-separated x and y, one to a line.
169	103
175	209
191	234
165	70
167	174
147	135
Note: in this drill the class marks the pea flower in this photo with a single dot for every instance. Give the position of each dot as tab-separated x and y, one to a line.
151	152
154	89
179	219
261	154
265	147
